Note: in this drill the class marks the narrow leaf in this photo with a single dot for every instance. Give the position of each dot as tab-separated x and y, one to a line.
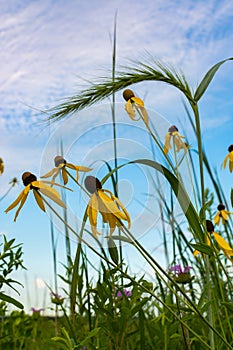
122	238
112	248
207	79
203	248
11	300
181	195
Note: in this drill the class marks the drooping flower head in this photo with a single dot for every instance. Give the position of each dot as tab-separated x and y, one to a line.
133	105
60	167
14	181
223	245
109	206
229	158
181	275
177	138
222	214
39	189
1	166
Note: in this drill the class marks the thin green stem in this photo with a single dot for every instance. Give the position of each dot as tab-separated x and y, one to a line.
201	170
134	281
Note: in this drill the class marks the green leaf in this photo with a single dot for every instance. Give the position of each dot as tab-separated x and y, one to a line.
11	300
181	195
203	297
229	305
112	248
90	335
122	238
203	248
203	210
61	341
207	79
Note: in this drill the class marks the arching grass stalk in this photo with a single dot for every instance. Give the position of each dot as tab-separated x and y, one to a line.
135	282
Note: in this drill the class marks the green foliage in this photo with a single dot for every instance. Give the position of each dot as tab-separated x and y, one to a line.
187	307
10	260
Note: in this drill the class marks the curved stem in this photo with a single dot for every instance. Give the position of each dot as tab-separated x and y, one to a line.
132	279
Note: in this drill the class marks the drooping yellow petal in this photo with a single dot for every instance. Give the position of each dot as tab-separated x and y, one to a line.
130	110
217	218
223	244
92	212
44	182
225	215
83	168
112	223
78	168
231	166
50	173
138	101
167	144
23	200
50	193
1	166
39	200
127	217
64	176
225	161
231	156
16	202
110	205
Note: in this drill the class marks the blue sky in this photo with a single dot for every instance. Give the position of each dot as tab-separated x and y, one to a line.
50	49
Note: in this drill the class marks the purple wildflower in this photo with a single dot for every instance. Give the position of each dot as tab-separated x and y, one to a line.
127	293
178	269
181	276
36	311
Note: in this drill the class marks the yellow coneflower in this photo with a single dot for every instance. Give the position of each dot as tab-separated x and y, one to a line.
229	158
132	103
222	214
61	164
177	138
223	245
38	188
109	206
1	166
